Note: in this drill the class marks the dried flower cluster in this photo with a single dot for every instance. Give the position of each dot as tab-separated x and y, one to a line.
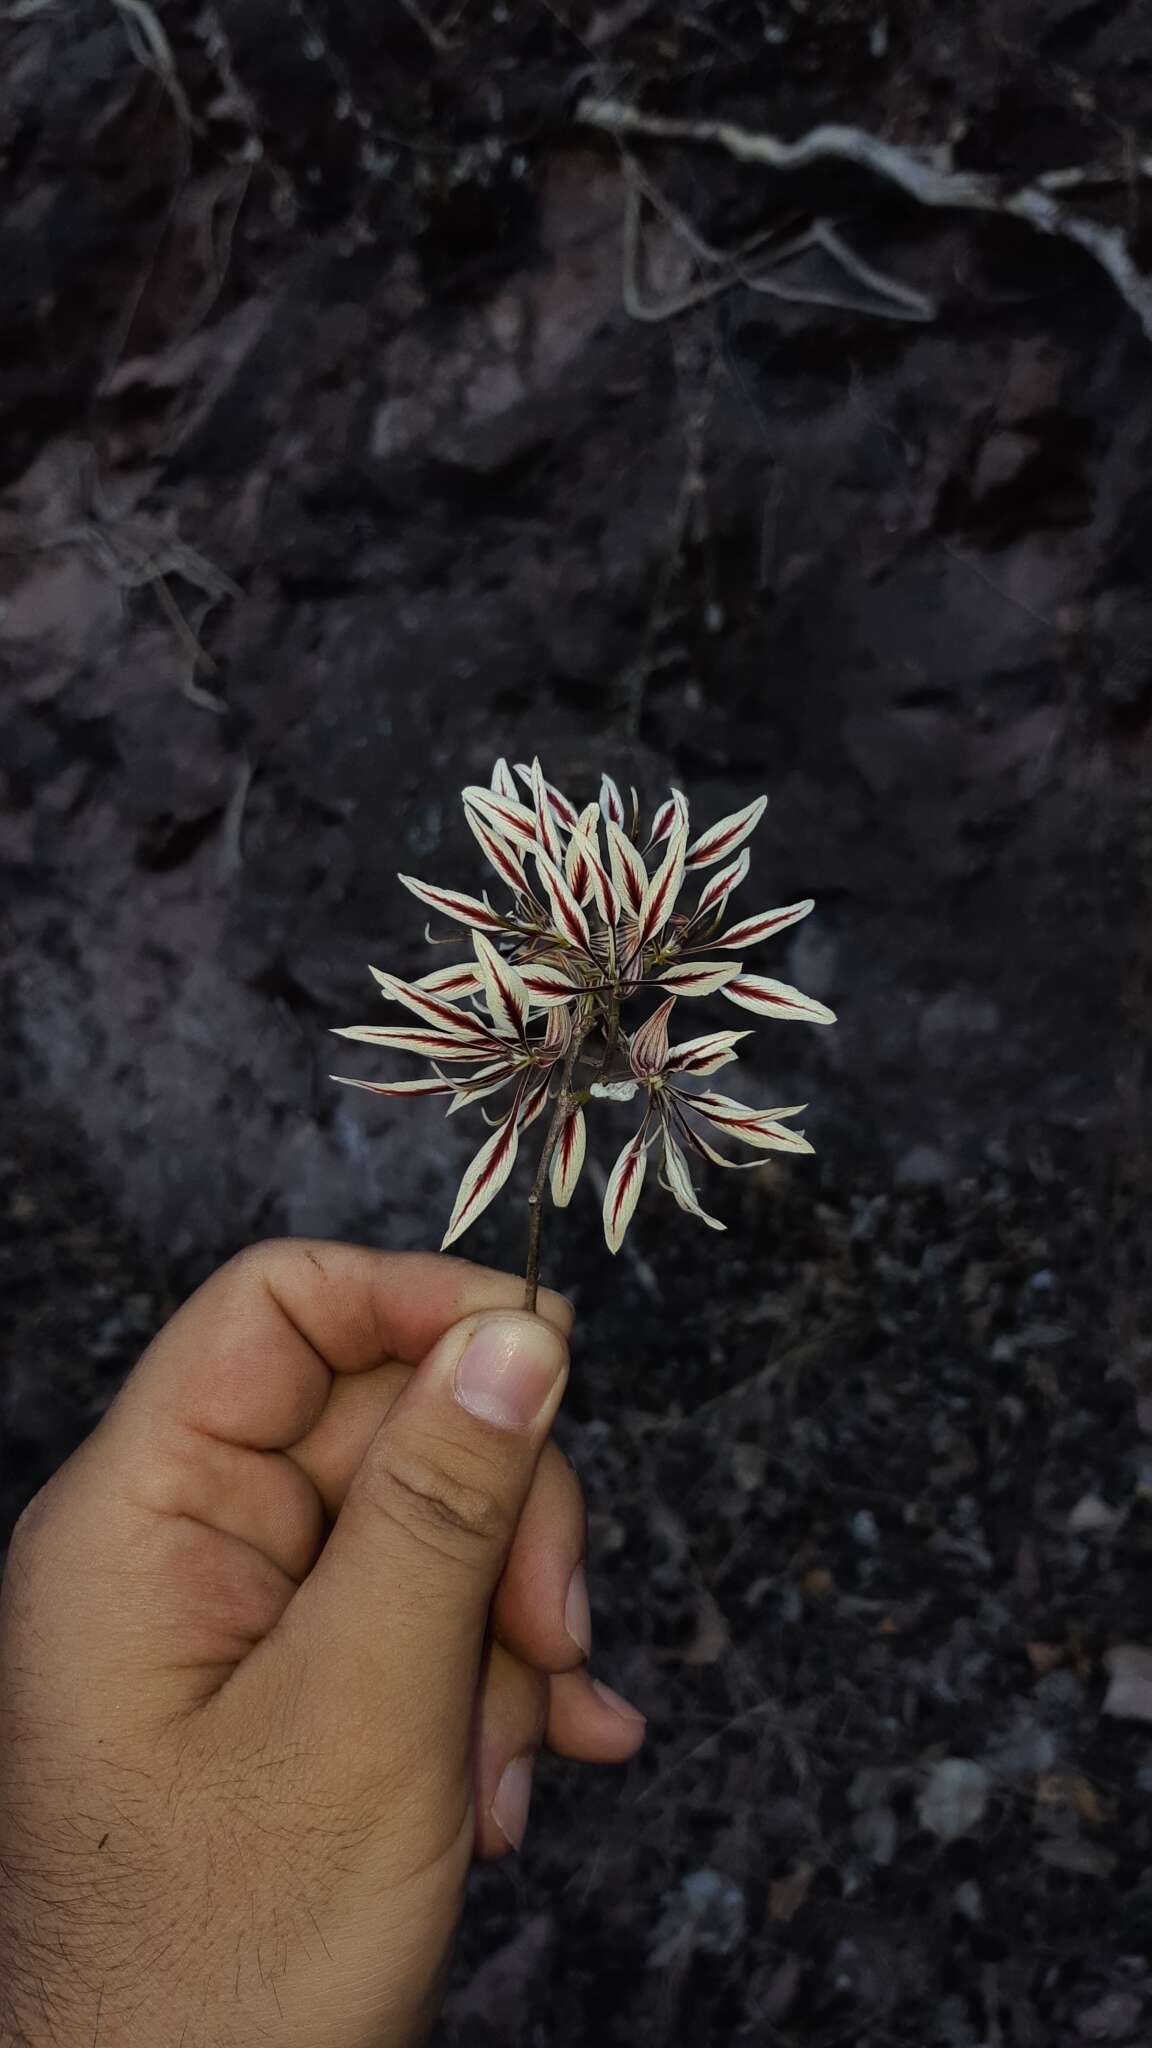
539	1010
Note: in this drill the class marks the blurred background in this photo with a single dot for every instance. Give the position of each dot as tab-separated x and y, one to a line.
367	409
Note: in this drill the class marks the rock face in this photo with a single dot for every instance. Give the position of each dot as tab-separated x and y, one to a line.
336	462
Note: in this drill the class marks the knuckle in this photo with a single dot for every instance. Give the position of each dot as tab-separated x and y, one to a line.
449	1499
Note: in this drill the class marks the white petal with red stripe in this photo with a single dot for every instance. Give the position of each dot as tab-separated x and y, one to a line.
454	983
484	1178
776	999
429	1045
629	873
547	827
429	1087
505	857
453	903
437	1010
563	810
611	801
503	781
704	1055
764	925
664	887
569	920
714	895
680	1182
547	984
695	977
504	991
568	1158
623	1190
504	815
722	839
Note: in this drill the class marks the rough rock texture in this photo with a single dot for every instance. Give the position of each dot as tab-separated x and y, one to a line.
333	464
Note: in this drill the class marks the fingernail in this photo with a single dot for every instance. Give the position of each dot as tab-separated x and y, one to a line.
509	1370
577	1612
513	1798
618	1705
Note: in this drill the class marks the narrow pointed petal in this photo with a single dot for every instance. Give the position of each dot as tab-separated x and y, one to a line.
505	857
453	983
629	873
749	1127
600	886
563	809
623	1190
503	781
568	1158
715	1100
428	1045
484	1178
429	1087
665	818
680	1181
704	1055
695	977
547	829
535	1098
722	839
664	887
715	893
577	871
485	1081
504	815
764	925
547	984
504	991
453	903
437	1010
775	999
611	802
648	1047
557	1031
570	921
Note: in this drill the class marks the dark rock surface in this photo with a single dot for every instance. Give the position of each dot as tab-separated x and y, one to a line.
333	464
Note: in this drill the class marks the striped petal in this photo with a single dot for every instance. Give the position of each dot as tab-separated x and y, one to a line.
453	982
623	1190
757	1128
648	1047
611	802
436	1010
453	903
695	977
547	827
484	1178
722	839
704	1055
715	893
569	920
547	984
505	815
665	818
429	1045
764	925
775	999
577	871
680	1182
557	1031
664	887
568	1158
503	856
485	1081
503	781
600	882
628	870
535	1099
504	991
432	1086
563	809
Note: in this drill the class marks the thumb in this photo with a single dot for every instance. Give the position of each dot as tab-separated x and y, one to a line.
396	1608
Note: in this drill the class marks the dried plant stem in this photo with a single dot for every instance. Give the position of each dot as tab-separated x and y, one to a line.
565	1101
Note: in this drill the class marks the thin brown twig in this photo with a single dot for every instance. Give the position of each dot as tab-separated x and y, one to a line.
564	1104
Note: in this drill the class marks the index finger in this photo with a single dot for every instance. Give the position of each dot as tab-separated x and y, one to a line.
250	1357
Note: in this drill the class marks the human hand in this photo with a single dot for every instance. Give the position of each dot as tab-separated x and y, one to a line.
278	1645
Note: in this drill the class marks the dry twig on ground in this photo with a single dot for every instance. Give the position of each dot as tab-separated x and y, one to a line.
927	177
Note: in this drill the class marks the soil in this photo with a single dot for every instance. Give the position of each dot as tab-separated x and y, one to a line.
335	459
